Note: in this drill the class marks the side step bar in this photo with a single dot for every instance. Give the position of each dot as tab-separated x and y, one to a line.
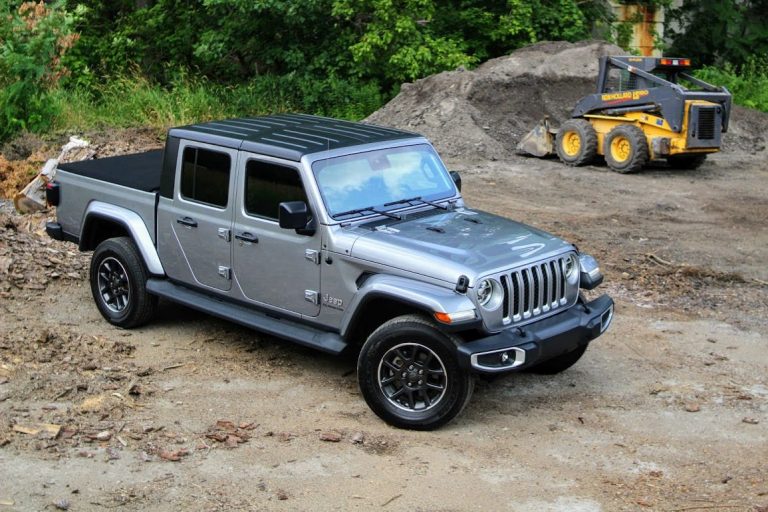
301	334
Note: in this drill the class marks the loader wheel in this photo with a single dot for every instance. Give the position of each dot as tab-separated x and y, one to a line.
576	142
686	162
626	149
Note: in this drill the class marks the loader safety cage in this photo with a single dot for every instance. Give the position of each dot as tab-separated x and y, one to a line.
650	92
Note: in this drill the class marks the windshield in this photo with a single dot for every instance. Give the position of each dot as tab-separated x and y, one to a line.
380	179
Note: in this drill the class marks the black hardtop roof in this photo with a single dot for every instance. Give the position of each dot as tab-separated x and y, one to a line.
289	136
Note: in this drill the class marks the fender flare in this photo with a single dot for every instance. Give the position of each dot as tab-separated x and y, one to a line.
420	295
135	226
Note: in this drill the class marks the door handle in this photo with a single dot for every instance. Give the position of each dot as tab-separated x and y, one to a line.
187	221
247	237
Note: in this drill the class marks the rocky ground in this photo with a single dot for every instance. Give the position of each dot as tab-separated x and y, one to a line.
667	411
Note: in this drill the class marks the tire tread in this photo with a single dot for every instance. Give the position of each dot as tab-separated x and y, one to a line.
146	305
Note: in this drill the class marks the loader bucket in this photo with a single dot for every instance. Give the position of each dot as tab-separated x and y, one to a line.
539	141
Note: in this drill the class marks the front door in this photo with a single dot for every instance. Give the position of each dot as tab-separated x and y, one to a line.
196	224
273	266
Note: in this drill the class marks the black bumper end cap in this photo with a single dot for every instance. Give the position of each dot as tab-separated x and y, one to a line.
54	230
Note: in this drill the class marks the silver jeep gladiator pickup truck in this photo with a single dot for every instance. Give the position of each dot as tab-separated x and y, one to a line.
338	236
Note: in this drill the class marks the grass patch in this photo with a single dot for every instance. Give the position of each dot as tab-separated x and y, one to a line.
131	101
749	86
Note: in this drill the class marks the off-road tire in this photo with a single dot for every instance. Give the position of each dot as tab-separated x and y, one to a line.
626	149
386	390
576	142
560	363
118	284
686	162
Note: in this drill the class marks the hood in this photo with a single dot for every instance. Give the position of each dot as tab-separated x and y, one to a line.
446	245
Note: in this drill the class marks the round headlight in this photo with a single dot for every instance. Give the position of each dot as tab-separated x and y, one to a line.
489	294
571	267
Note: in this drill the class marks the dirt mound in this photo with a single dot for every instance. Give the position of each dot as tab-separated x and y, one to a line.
746	133
485	112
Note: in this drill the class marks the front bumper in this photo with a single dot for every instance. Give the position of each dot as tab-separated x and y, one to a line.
520	348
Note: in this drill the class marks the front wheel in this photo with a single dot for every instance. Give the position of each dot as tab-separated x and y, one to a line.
576	142
409	374
118	283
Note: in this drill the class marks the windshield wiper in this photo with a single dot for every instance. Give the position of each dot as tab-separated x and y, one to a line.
418	198
369	209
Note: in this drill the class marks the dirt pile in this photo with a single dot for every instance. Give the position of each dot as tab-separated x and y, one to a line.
485	112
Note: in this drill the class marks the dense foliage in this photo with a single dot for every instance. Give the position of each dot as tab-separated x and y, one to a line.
385	41
33	40
165	61
719	32
749	85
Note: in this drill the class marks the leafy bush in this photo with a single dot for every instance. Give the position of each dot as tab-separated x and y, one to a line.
715	32
749	86
385	41
33	39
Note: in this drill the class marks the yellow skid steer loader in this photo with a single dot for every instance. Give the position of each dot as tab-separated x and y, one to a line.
640	112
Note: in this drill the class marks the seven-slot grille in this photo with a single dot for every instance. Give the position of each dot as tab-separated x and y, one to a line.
534	290
706	123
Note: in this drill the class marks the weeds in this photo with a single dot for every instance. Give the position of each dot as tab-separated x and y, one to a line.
135	101
749	85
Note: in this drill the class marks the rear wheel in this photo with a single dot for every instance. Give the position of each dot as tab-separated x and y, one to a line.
409	374
118	284
626	149
686	162
576	142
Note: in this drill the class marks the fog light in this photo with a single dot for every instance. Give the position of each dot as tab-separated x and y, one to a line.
504	357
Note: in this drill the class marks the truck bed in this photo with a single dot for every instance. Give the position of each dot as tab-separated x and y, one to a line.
140	171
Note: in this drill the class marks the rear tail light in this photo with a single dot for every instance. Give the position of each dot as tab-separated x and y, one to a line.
675	62
52	193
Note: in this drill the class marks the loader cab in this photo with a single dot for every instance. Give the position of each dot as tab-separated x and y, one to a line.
614	77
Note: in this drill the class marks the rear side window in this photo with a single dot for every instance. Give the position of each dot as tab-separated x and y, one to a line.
267	185
205	176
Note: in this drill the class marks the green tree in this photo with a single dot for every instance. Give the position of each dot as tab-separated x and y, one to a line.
715	32
33	39
393	40
491	28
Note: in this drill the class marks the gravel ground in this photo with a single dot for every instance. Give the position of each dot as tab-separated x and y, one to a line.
667	411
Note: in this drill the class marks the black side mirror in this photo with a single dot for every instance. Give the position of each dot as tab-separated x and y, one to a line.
295	215
456	177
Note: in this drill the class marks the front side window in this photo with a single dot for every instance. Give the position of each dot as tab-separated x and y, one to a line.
205	176
382	179
267	185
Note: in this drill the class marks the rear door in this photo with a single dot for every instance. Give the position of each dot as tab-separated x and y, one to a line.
274	266
194	227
